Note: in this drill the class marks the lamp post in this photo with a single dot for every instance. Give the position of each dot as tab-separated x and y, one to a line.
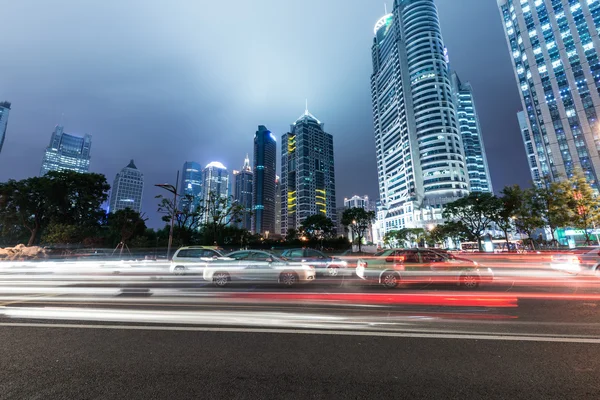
172	189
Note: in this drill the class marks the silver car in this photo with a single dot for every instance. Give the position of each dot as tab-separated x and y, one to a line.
580	261
258	267
193	259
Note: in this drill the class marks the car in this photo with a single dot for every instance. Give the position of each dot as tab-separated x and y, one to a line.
394	266
193	259
259	267
324	264
580	261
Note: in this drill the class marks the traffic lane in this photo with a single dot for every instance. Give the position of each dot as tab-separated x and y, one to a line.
417	311
141	364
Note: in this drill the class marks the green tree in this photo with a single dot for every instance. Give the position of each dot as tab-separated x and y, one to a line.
358	221
125	225
317	227
551	201
219	212
507	208
527	210
475	212
584	204
24	206
291	235
188	220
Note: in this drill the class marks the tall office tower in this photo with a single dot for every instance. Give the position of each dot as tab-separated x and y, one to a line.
4	111
67	152
191	186
215	181
277	206
420	157
127	189
529	149
307	173
242	193
263	192
554	47
470	131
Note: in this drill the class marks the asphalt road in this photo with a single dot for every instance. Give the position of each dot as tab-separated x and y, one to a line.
107	337
90	363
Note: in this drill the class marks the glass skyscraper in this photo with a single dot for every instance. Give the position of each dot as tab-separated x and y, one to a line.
191	185
307	173
470	131
420	154
127	189
67	152
4	111
242	193
554	50
263	192
215	180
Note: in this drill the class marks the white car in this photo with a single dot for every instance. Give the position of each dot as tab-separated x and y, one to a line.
193	259
258	267
580	261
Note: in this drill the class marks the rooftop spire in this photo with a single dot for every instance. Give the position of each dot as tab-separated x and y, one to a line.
246	166
131	165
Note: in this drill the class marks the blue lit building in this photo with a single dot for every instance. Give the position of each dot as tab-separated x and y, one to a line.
215	181
263	192
67	152
554	48
243	182
4	111
470	131
191	185
127	189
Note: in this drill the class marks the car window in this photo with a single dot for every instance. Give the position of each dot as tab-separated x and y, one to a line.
257	256
239	255
383	253
209	253
295	253
431	257
313	254
183	253
409	256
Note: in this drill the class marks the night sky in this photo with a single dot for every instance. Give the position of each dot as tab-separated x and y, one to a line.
168	82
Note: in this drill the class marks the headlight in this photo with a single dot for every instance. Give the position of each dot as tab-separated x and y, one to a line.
344	263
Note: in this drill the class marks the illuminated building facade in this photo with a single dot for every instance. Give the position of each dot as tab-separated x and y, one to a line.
127	189
263	192
307	173
554	47
243	182
420	156
67	152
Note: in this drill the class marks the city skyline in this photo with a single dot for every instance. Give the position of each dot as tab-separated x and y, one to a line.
67	151
117	130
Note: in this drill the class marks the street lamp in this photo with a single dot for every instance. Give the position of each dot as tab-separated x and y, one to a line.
172	189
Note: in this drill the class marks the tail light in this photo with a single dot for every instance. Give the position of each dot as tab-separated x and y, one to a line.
575	260
362	264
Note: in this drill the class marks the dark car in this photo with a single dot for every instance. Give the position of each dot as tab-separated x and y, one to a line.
393	266
323	264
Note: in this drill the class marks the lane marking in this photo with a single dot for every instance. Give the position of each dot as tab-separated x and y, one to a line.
416	335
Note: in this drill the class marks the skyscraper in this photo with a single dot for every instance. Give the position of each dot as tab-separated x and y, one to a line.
263	192
127	189
242	193
307	173
67	152
470	131
215	181
191	185
554	48
4	111
277	206
420	156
